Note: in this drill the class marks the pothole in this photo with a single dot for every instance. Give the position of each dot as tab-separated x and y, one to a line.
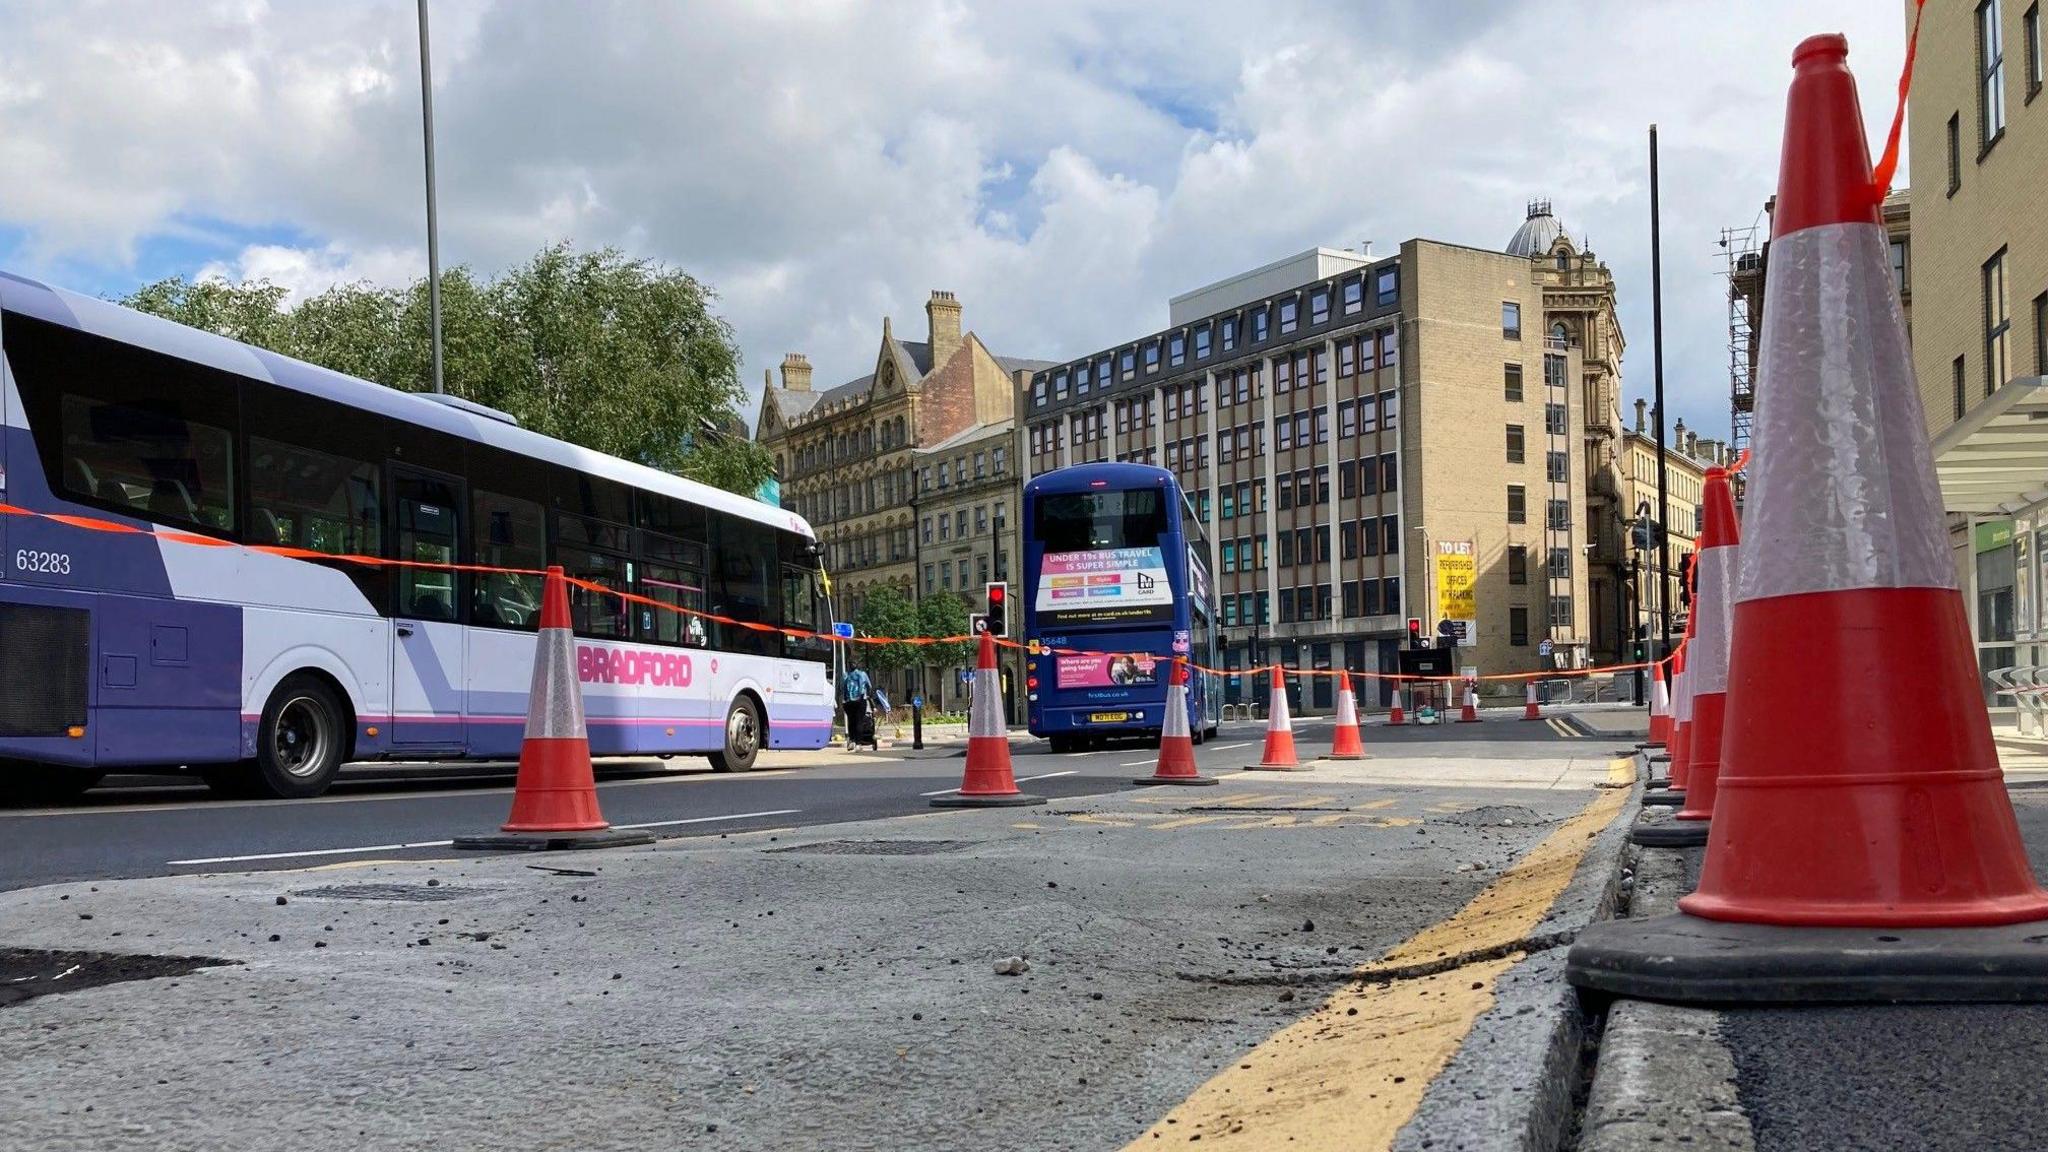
1491	816
26	973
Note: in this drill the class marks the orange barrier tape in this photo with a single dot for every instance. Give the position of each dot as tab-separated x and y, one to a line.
290	553
1888	161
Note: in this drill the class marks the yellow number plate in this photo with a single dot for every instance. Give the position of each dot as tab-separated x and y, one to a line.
1108	717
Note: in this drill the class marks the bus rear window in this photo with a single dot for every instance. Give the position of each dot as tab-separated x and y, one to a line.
1089	521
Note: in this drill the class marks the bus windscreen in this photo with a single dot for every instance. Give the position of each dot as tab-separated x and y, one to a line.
1102	561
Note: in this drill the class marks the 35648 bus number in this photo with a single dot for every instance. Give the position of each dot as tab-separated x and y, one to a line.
48	563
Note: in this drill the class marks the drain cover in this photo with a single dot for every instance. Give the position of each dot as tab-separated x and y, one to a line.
26	973
879	847
402	893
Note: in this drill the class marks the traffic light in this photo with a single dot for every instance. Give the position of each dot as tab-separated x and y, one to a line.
1642	644
999	608
1415	633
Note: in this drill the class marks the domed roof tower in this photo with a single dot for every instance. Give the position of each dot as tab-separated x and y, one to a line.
1538	232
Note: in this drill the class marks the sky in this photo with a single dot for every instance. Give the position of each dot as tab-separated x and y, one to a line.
1062	166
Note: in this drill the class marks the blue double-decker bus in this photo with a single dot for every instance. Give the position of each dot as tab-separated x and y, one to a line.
1116	573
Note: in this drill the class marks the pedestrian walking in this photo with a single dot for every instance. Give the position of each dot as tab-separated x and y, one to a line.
854	691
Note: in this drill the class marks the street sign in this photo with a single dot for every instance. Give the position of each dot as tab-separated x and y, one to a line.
977	623
1544	648
842	629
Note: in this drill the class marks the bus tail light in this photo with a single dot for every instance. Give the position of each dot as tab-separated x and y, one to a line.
1031	682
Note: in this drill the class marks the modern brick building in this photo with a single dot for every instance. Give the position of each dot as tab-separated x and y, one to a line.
1337	416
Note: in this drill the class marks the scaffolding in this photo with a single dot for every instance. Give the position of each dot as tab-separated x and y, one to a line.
1745	273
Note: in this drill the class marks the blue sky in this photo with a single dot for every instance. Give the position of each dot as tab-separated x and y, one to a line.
1063	167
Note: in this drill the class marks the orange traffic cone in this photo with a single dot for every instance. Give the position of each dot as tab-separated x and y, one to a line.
987	781
1397	717
1176	743
554	802
1469	714
1713	604
1530	710
1864	847
1660	707
1346	743
1670	791
1279	754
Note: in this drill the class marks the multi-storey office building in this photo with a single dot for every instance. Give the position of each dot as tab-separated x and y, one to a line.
1336	418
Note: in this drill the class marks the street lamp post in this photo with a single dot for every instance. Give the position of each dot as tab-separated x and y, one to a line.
917	602
433	228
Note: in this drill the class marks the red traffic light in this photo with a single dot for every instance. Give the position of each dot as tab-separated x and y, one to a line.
1414	626
996	592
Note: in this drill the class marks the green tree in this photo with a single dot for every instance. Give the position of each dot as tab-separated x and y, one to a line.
619	355
886	611
944	614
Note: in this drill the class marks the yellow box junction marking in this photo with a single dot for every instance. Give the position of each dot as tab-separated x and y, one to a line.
1339	1080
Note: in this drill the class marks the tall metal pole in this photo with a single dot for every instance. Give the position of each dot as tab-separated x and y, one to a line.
433	228
1657	354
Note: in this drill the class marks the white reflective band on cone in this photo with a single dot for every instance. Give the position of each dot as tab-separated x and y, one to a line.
1714	600
554	709
1681	700
1842	493
985	707
1176	722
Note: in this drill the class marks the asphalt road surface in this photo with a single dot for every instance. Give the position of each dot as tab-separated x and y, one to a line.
153	825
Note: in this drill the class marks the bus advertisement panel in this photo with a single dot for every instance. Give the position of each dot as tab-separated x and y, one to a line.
1122	585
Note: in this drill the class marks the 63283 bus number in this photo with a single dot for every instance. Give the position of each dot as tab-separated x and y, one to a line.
49	563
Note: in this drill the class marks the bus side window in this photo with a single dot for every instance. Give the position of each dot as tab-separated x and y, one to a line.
509	533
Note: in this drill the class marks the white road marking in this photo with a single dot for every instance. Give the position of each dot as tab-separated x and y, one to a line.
1136	763
1019	780
311	852
711	819
1228	747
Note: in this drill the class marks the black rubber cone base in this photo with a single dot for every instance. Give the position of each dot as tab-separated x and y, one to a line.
1649	745
1664	798
1276	767
1001	800
1183	781
1686	960
1670	834
1327	756
554	841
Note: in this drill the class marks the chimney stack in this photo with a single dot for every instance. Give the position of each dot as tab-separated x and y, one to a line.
1642	411
1692	444
796	372
942	312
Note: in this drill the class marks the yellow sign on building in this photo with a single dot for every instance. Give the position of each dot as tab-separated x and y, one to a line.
1457	574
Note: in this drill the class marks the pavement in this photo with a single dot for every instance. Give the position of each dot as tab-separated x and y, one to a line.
1351	956
1878	1077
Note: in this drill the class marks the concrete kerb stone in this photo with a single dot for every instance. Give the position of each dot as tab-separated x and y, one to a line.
1509	1087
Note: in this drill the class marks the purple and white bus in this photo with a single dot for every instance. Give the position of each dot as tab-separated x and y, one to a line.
138	457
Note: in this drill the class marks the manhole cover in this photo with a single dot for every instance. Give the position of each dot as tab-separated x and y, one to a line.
26	973
403	893
879	847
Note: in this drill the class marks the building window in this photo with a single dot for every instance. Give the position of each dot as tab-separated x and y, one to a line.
1518	627
1127	362
1038	392
1290	316
1560	612
1997	324
1258	325
1319	306
1557	467
1955	153
1555	420
1152	356
2041	334
1202	342
1518	504
2030	31
1561	563
1354	299
1956	371
1510	320
1229	333
1177	350
1386	286
1518	564
1560	512
1514	443
1990	76
1512	384
1900	268
980	465
1059	386
1081	379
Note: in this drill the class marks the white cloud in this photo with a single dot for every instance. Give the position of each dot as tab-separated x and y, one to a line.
1063	166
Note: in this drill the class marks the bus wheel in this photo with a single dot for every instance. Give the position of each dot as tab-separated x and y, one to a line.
742	738
299	745
24	783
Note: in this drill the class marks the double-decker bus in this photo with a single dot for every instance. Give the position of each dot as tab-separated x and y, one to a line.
1116	567
143	465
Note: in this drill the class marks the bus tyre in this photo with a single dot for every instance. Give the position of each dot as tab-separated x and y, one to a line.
299	745
742	738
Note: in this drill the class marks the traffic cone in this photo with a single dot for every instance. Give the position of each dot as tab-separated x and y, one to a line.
1530	709
1713	606
1660	707
1469	714
1863	847
1346	743
1396	717
1279	754
987	781
554	801
1670	791
1176	743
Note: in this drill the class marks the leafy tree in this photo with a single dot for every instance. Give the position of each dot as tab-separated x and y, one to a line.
886	611
944	614
619	355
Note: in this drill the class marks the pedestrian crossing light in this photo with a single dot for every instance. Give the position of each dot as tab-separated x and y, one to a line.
999	608
1415	632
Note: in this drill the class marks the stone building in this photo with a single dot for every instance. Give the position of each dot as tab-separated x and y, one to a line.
1688	455
854	459
1336	416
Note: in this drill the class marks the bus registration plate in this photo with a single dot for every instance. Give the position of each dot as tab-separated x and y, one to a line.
1108	717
